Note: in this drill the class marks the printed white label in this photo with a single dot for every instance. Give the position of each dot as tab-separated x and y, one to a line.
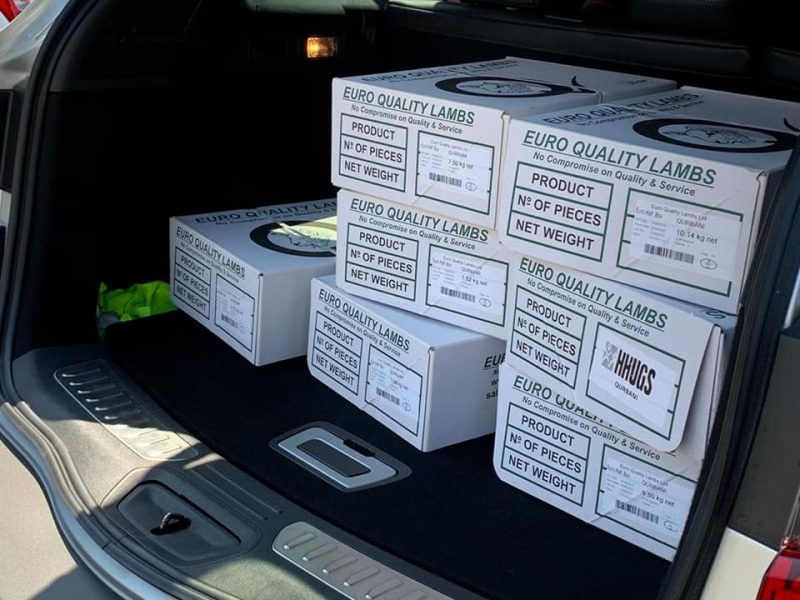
684	236
633	376
235	312
648	499
449	169
394	388
467	284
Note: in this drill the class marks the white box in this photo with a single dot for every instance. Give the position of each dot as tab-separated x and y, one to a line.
246	274
633	359
663	192
426	263
431	383
434	137
552	449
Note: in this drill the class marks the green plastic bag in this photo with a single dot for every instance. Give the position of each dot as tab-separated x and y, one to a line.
138	301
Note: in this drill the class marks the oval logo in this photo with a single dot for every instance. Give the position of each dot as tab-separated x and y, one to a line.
711	135
504	87
671	526
298	238
485	302
708	263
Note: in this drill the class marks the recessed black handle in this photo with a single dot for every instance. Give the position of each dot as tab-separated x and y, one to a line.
172	523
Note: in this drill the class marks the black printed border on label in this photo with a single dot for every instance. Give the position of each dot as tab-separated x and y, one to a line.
574	384
423	401
369	181
535	365
195	281
511	212
549	443
456	204
519	475
355	335
482	259
182	301
194	260
557	351
176	283
622	241
373	289
314	350
601	491
626	416
252	317
511	430
549	301
334	359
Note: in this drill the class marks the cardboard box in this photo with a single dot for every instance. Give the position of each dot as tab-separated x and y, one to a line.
246	274
635	360
663	192
431	383
550	448
426	263
434	137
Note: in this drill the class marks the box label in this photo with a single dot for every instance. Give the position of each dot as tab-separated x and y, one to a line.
467	284
692	238
455	171
394	389
373	152
336	352
379	260
643	497
191	283
558	210
632	374
235	312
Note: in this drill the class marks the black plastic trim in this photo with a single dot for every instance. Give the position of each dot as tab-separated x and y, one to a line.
576	40
770	483
768	292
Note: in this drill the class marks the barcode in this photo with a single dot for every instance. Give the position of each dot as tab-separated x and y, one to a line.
669	253
229	320
457	294
387	396
635	510
439	178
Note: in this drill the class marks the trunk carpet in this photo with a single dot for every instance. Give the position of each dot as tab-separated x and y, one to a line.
451	516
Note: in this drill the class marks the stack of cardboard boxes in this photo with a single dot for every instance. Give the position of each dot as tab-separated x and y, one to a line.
419	156
549	252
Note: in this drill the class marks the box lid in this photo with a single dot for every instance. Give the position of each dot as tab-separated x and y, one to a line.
756	133
272	238
513	85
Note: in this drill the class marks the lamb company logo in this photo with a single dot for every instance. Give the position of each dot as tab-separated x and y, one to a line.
628	368
506	87
297	238
719	137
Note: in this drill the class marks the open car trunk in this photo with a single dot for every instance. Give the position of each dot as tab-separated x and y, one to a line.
152	111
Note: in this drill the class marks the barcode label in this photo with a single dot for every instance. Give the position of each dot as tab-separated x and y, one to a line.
387	396
457	294
439	178
229	320
669	253
636	511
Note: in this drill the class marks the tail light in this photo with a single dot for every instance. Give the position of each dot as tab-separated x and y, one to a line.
11	8
782	579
